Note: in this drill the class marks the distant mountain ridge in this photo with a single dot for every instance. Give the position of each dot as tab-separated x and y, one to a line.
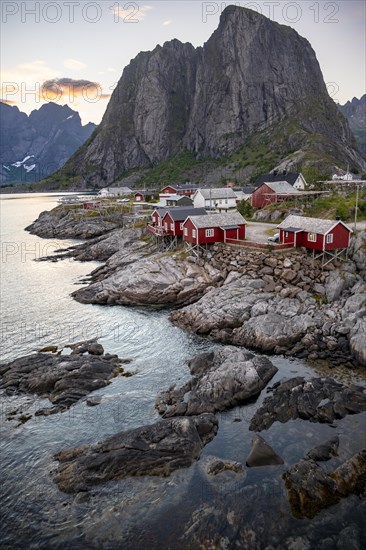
252	99
355	112
33	147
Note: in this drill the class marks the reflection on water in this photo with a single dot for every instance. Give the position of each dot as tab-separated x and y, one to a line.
178	511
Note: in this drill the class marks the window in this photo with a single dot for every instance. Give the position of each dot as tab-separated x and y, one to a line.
312	237
194	233
172	227
286	234
166	226
330	238
181	226
185	231
210	232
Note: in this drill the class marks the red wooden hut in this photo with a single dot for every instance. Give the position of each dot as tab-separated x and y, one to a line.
157	217
214	228
315	233
174	218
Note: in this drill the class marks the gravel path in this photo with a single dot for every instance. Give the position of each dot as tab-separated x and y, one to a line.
257	231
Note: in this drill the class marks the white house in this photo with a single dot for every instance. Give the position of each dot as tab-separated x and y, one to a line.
115	191
222	198
348	176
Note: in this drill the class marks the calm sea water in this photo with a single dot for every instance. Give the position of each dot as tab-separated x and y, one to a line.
37	310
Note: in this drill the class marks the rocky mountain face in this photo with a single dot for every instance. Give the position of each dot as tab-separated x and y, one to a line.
34	146
254	88
355	112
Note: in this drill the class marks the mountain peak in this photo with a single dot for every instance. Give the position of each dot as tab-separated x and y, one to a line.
254	84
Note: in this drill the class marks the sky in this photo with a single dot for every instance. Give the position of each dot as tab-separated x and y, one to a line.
73	52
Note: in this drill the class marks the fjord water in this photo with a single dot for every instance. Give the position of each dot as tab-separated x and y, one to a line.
37	310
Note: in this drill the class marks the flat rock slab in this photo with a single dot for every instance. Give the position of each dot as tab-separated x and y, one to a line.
310	489
221	379
64	380
155	450
317	400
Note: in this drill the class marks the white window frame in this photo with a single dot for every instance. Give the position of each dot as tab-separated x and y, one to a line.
172	227
186	231
286	234
312	237
329	238
166	226
210	232
181	226
194	233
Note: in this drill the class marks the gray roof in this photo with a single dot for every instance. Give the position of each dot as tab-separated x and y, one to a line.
218	193
281	187
283	175
294	229
219	220
315	225
183	186
181	214
178	198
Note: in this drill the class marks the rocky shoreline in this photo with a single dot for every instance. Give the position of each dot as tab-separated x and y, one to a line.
279	303
274	302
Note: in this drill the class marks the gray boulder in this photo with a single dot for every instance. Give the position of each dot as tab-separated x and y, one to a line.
337	282
358	251
358	340
222	379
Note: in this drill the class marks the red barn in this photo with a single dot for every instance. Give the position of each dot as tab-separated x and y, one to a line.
187	189
174	218
214	228
315	233
272	193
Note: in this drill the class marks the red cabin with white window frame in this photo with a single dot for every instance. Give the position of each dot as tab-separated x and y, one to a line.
157	217
175	217
314	233
214	228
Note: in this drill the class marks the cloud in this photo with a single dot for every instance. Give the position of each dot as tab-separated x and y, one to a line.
35	71
69	89
168	22
134	14
74	64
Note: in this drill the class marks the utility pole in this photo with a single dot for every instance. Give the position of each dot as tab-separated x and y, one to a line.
357	187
